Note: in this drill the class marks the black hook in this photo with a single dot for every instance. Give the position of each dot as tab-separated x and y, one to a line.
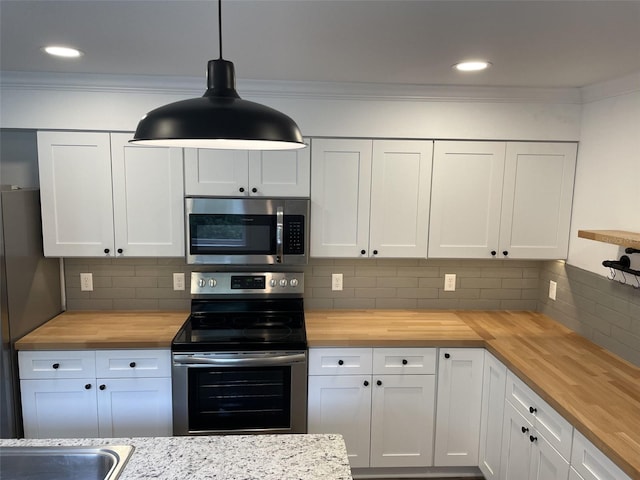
631	250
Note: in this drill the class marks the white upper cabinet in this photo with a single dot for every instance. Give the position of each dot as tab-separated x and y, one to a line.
340	195
370	198
466	198
75	193
537	199
148	205
238	173
101	196
400	195
503	200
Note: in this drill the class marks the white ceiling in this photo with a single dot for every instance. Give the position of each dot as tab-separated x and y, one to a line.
551	43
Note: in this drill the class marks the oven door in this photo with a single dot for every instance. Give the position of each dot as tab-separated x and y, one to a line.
252	392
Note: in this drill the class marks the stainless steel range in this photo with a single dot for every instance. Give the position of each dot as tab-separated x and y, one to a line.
240	359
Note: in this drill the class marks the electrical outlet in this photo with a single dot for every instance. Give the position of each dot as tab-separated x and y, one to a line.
336	281
553	286
178	281
86	282
449	282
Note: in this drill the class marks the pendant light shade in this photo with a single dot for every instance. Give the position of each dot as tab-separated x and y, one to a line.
219	119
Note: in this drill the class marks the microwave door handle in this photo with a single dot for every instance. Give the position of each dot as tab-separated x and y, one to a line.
279	234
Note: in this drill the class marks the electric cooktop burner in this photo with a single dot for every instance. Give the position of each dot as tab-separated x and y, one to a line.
244	312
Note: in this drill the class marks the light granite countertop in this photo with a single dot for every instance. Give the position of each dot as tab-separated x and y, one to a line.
230	457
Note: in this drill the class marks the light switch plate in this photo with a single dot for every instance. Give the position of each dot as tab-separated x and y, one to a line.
553	286
449	282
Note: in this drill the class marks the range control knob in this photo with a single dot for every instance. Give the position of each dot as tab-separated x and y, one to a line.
294	282
202	282
283	282
212	282
273	282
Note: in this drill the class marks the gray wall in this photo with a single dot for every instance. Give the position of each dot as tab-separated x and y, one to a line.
604	311
368	283
19	158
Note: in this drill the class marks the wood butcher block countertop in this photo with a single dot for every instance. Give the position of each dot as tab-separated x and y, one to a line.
596	391
89	330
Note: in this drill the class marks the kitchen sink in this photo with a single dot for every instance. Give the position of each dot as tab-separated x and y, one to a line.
104	462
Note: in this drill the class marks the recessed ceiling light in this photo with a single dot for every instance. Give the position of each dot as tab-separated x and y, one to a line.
472	66
59	51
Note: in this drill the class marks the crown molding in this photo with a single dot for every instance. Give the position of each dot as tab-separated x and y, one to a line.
191	87
611	88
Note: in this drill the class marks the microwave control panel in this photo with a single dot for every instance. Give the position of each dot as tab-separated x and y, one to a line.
293	242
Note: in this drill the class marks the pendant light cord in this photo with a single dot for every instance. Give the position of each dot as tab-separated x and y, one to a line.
220	27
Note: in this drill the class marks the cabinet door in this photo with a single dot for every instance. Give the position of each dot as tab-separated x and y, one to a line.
546	462
400	196
216	172
75	191
458	406
516	446
280	173
342	404
590	463
573	475
466	199
549	423
63	408
148	199
134	407
493	388
340	195
537	198
402	420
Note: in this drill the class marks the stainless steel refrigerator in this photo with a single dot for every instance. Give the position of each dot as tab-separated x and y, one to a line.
30	292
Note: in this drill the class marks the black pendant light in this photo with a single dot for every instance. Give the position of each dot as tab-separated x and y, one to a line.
220	118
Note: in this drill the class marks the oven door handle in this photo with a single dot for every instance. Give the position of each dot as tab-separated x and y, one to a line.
233	362
279	234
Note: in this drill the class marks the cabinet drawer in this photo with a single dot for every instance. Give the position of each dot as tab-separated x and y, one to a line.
56	364
340	361
407	361
591	463
133	363
549	423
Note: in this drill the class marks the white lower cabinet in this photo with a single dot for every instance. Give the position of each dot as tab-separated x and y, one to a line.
106	393
342	404
381	400
526	454
61	408
458	406
494	383
589	463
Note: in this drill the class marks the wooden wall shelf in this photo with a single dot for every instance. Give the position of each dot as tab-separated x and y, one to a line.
615	237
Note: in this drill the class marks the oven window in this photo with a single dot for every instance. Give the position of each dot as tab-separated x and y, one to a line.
223	234
238	398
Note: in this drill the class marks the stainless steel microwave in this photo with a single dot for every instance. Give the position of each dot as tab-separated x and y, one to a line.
247	231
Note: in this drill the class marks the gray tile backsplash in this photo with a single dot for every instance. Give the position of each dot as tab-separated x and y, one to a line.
146	284
603	310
